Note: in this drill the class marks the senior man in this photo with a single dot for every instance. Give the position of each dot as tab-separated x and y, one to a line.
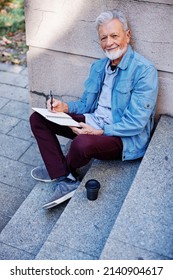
115	112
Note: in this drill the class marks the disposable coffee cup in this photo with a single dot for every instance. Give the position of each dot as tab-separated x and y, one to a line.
92	186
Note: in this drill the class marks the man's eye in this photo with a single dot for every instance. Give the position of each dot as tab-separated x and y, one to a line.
103	39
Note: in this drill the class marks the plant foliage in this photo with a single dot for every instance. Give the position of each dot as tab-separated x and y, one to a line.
12	32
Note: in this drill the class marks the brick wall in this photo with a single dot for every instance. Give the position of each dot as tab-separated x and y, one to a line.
63	43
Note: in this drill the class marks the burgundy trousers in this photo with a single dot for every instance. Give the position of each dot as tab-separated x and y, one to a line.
83	147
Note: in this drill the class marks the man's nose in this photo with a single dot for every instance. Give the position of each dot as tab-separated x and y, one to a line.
109	41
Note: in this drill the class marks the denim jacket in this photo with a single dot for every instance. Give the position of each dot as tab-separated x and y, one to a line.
134	96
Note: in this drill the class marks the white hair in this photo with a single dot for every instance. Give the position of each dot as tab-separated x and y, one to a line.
109	15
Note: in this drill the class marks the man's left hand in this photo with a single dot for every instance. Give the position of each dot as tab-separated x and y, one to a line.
86	129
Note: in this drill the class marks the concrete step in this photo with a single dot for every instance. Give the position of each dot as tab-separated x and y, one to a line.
144	227
84	226
80	229
30	226
26	232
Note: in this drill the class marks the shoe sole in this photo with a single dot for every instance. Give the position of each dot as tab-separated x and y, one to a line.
58	201
42	180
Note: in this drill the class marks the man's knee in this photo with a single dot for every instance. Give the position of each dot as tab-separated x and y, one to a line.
34	120
82	143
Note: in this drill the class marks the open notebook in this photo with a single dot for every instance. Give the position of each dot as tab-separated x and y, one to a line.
58	117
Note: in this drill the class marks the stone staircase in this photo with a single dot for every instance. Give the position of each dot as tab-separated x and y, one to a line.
144	227
131	219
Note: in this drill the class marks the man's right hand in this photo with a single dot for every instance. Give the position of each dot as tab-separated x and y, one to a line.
57	106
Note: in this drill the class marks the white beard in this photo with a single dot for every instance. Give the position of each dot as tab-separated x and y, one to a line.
112	55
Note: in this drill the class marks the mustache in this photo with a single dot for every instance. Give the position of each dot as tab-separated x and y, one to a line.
114	54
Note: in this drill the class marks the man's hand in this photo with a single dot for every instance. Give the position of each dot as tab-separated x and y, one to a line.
57	106
86	129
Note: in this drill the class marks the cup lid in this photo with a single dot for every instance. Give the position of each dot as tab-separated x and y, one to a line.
92	184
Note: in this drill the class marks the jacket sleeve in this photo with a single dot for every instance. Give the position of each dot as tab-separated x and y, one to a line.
140	108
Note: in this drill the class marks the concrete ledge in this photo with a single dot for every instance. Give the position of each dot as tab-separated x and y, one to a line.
84	226
125	251
10	253
144	228
74	26
62	73
30	226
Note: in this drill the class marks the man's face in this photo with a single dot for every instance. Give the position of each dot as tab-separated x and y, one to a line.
114	40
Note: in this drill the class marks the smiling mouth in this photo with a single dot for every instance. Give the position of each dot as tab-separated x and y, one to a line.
112	49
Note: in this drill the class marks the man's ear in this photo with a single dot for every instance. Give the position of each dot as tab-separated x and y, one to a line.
128	36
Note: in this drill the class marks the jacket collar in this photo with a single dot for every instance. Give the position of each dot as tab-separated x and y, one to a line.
123	63
126	57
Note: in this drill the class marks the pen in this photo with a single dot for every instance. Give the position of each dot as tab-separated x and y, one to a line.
51	100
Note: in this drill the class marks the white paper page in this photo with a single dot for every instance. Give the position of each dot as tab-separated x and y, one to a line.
64	121
58	117
46	113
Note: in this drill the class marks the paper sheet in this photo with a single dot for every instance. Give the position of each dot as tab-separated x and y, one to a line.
60	118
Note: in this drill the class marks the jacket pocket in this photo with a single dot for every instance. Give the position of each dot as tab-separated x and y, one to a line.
123	94
124	87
